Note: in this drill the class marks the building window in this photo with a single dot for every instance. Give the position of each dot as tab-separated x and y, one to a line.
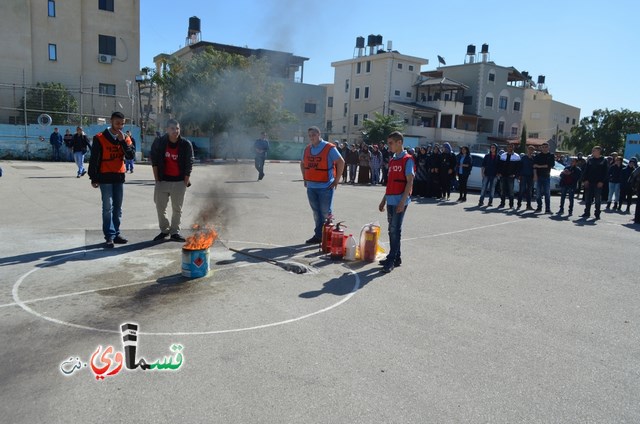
368	66
573	122
468	100
358	67
356	94
329	126
330	102
396	92
366	92
399	66
516	106
411	68
567	120
346	86
53	52
107	89
309	108
533	135
105	5
107	45
365	116
344	129
503	102
355	119
52	8
488	102
501	127
408	94
514	131
492	76
346	109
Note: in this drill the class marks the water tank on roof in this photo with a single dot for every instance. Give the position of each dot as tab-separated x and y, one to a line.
371	40
540	79
359	42
194	24
378	40
485	48
471	49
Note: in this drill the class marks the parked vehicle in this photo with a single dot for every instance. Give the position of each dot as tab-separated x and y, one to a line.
475	178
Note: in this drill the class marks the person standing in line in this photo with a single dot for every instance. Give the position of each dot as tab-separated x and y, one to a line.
568	181
463	169
615	181
106	171
261	147
508	168
129	162
543	163
489	172
364	159
594	177
172	162
626	193
352	161
581	163
321	164
447	170
80	145
376	164
55	139
67	140
397	197
525	176
386	155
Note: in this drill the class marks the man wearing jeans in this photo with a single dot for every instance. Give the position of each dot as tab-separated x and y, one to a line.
320	164
106	170
397	196
542	164
172	162
489	172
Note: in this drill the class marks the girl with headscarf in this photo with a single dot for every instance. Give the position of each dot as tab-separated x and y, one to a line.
420	181
463	169
447	167
364	159
434	170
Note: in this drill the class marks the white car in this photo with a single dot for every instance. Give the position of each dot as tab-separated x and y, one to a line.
475	179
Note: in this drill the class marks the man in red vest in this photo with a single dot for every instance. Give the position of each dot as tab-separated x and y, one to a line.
397	196
106	170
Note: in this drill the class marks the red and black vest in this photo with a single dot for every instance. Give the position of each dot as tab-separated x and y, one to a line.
112	156
397	178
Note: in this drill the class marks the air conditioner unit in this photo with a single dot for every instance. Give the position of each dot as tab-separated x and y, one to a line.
105	58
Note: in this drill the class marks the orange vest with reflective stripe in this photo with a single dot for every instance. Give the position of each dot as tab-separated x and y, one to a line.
316	167
112	156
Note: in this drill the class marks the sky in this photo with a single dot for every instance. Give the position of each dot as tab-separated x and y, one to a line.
587	50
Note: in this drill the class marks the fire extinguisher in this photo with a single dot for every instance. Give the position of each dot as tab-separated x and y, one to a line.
369	242
325	246
338	242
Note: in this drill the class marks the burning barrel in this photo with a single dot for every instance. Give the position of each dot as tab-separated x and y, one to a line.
195	252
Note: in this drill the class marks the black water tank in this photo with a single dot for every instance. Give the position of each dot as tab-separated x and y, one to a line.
359	42
378	40
540	79
525	74
371	40
485	48
194	24
471	49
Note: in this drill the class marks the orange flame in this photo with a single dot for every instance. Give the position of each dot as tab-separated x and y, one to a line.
202	239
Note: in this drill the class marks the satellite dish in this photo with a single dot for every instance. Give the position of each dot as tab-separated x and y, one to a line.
44	120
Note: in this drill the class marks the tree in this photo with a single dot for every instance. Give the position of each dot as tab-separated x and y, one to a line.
605	128
55	100
216	91
378	129
523	139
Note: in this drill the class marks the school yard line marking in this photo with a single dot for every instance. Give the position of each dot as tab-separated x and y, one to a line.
461	231
23	305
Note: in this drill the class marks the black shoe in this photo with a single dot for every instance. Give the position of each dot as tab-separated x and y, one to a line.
261	176
177	237
78	176
547	211
538	210
387	268
82	174
560	211
161	236
490	204
597	216
480	203
109	244
313	240
501	205
529	207
585	215
519	205
120	240
396	263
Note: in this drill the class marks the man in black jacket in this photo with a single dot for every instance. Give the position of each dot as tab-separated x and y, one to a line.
172	161
593	178
508	168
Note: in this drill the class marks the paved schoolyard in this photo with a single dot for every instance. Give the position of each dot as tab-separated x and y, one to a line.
493	316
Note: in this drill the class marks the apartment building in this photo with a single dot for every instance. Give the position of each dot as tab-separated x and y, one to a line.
90	46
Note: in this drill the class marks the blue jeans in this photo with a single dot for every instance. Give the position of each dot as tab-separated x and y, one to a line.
564	192
490	184
259	164
543	186
352	171
321	202
526	186
614	191
592	194
111	209
395	232
129	164
79	158
506	189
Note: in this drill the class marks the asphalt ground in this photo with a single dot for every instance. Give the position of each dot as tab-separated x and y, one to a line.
494	316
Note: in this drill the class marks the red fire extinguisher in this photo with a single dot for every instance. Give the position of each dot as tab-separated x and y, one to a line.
325	246
369	242
338	242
